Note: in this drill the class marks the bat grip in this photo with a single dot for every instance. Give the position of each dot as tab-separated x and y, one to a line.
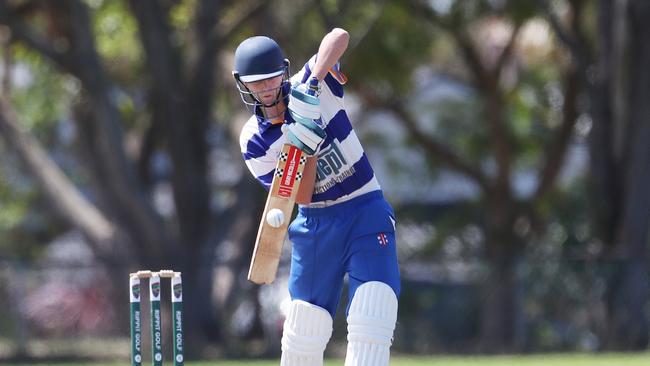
312	86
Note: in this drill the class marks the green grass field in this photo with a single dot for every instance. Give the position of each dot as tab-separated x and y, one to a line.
633	359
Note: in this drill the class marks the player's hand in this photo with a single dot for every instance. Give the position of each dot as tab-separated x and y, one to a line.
303	100
305	134
304	107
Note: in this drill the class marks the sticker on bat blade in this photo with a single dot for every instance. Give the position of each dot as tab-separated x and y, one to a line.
290	172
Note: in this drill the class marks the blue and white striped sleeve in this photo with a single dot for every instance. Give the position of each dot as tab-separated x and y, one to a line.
260	158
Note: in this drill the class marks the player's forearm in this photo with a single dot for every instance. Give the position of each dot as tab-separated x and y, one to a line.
330	51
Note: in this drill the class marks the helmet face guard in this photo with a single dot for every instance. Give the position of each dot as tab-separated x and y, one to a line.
251	99
260	58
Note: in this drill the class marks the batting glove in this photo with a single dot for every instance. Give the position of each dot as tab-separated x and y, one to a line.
304	107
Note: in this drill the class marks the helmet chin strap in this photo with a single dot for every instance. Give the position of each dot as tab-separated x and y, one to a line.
278	111
278	99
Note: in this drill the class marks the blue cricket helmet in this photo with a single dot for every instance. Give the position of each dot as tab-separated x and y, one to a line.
258	58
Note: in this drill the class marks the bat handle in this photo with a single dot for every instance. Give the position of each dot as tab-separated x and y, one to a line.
312	86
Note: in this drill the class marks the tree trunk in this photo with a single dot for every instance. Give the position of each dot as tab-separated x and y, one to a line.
199	318
626	300
501	295
628	293
182	90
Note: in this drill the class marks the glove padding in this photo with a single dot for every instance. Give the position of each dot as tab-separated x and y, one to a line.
304	133
303	102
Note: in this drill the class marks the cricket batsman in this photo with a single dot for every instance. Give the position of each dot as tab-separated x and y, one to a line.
344	225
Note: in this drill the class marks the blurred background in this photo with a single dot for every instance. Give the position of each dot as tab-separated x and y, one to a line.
512	138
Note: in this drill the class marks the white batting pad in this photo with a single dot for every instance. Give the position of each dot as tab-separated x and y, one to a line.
371	321
307	330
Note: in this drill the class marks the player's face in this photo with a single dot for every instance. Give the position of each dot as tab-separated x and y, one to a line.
266	91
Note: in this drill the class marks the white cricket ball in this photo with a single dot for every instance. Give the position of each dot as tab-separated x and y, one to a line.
275	217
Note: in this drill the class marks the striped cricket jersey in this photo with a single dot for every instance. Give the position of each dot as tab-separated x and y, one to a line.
343	169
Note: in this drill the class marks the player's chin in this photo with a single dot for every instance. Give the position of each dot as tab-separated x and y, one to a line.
268	101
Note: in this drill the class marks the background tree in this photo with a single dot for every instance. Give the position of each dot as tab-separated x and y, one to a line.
507	136
168	116
127	131
147	77
614	74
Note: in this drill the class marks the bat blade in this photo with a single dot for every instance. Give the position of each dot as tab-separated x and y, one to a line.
282	195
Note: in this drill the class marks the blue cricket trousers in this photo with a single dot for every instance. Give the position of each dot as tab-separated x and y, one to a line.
355	237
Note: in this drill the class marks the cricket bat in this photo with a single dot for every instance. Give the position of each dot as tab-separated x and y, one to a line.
282	195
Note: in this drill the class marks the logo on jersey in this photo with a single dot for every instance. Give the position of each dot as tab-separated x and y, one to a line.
332	168
330	162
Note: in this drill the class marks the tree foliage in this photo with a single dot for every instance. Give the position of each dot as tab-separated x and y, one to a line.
120	120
